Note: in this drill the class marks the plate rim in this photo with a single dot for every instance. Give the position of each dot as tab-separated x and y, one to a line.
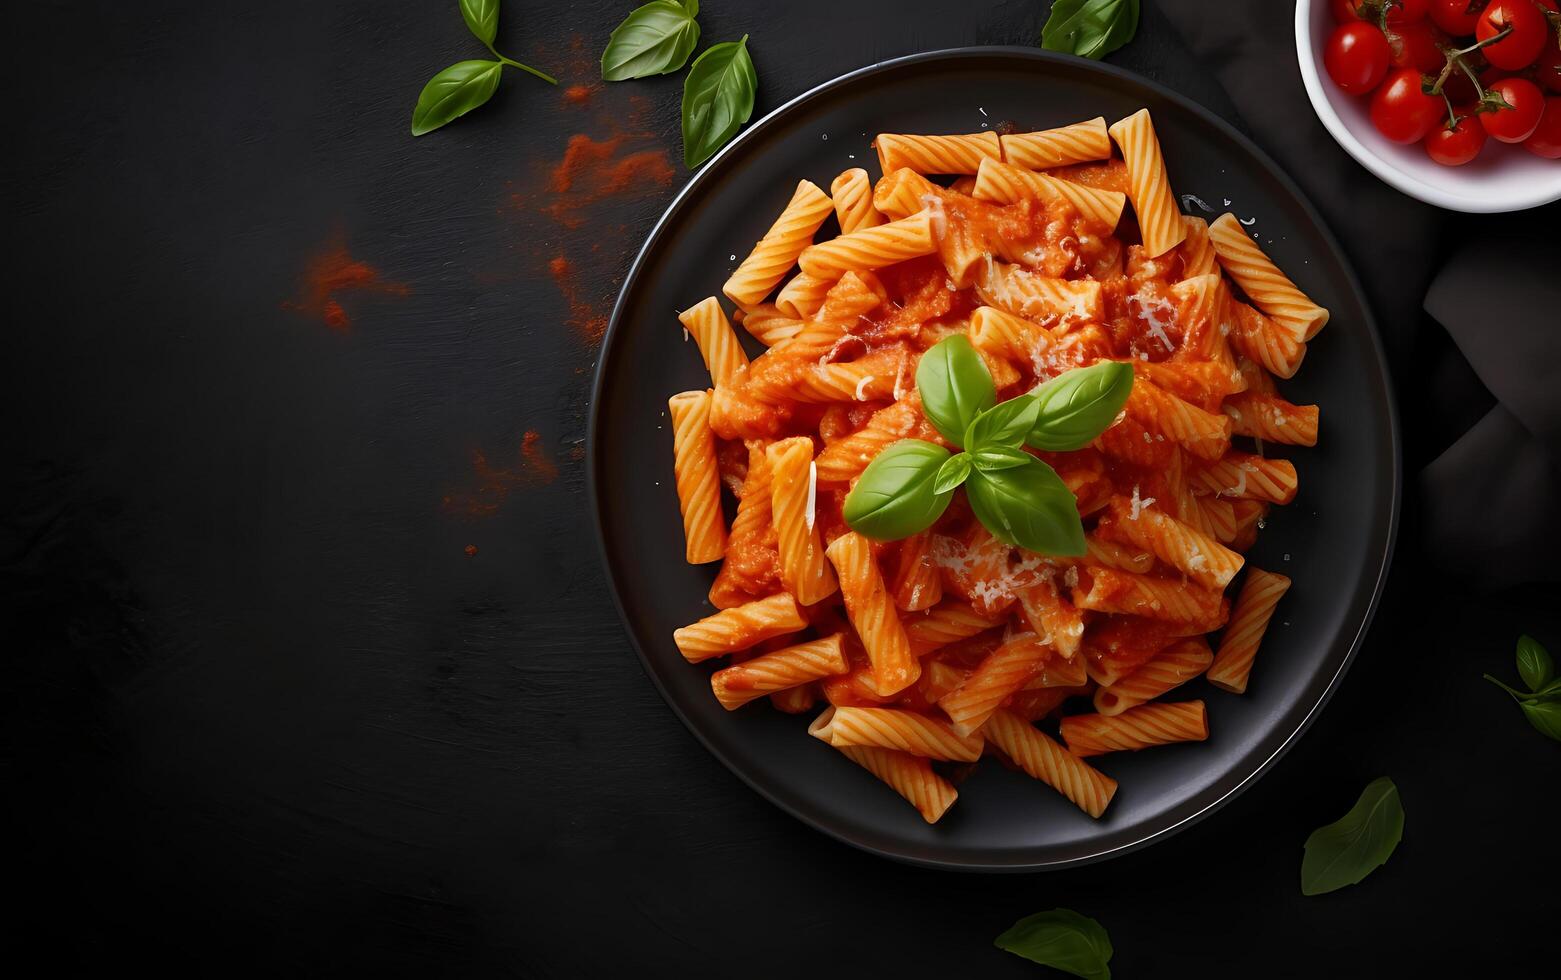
1018	54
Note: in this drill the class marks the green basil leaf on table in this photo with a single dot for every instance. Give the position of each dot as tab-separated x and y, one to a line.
1029	507
1534	663
1003	425
955	386
952	473
717	99
453	93
1090	28
1000	458
482	16
1355	845
692	6
653	40
1545	716
895	497
1063	940
1078	405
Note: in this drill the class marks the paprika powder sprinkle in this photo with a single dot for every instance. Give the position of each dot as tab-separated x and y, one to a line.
492	485
333	270
569	191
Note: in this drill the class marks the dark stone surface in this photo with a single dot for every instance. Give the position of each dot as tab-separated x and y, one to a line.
262	711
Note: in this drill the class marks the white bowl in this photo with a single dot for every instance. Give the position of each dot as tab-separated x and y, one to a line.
1501	178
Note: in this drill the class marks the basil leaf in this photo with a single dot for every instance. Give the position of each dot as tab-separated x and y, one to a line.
1545	716
1000	458
482	16
692	6
955	386
1090	28
1029	507
717	99
894	497
1346	851
653	40
1534	663
1063	940
952	473
1078	405
453	93
1005	424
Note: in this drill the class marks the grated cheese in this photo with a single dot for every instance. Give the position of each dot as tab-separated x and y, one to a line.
812	493
1139	504
861	386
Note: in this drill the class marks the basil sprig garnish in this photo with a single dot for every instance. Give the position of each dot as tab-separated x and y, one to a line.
1542	704
1078	406
466	85
1090	28
1018	497
717	99
1063	940
1355	845
955	386
655	39
898	494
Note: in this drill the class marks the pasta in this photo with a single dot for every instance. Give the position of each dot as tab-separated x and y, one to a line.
1248	621
852	192
1077	143
910	776
777	251
698	482
777	671
1271	290
936	154
1149	187
950	645
1136	728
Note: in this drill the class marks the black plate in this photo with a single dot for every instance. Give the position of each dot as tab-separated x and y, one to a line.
1335	540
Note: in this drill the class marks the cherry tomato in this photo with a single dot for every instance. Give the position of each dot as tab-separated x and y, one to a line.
1406	11
1456	17
1529	30
1546	139
1456	146
1414	45
1345	11
1401	111
1515	125
1548	68
1356	57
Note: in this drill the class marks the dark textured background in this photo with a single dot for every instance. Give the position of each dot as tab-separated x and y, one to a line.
262	711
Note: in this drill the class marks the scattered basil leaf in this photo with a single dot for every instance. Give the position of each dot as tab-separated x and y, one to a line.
1545	716
1090	28
1534	663
1000	458
1063	940
895	497
1551	690
653	40
692	6
717	99
955	386
482	16
1078	405
1029	507
1349	849
453	93
952	473
1003	425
